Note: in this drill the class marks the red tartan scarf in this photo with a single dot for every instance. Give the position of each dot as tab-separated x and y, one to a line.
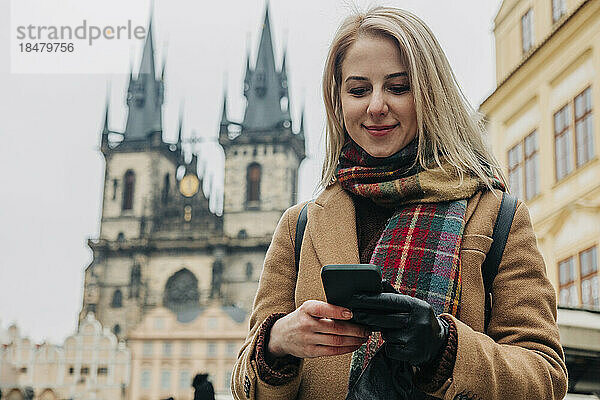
418	250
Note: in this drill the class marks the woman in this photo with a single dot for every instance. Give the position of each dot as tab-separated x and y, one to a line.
410	186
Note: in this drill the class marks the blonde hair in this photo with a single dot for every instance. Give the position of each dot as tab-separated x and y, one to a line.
447	126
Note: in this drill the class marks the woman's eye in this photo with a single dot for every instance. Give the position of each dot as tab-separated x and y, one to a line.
399	89
357	91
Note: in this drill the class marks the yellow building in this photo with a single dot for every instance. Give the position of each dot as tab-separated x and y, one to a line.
169	349
543	126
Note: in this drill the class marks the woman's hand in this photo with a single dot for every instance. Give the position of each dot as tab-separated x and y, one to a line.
409	326
316	329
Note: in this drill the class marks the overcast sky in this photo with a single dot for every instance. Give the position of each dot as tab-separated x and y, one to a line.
51	171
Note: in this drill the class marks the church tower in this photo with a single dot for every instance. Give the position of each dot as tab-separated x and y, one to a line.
150	212
262	153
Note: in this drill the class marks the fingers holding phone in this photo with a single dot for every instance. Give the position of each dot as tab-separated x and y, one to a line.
316	329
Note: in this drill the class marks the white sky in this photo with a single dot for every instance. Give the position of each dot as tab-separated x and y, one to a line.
51	171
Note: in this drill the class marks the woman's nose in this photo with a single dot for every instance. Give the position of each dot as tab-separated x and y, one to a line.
377	105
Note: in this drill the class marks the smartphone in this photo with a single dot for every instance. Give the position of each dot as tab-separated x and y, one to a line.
341	281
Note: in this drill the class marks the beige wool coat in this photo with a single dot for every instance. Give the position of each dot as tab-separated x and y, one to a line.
520	359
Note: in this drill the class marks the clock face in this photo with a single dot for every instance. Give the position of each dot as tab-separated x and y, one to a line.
189	185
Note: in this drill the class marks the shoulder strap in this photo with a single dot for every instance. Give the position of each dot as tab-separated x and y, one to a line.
489	268
300	226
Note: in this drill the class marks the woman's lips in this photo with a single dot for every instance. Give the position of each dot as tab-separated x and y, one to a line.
379	130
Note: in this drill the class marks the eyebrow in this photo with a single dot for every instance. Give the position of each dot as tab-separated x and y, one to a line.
390	76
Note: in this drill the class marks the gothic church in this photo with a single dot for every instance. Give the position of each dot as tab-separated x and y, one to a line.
159	243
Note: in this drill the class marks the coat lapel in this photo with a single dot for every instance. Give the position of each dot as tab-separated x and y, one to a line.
332	227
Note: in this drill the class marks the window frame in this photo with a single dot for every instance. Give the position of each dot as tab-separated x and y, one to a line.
579	278
587	113
563	10
522	161
529	15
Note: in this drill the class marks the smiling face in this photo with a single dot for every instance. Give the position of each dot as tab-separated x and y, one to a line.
377	104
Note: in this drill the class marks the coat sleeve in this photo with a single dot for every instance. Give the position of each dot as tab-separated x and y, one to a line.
275	294
522	357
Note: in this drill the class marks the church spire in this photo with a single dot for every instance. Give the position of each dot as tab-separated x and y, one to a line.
145	96
105	129
263	89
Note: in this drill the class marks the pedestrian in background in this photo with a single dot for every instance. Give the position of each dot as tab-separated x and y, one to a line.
409	186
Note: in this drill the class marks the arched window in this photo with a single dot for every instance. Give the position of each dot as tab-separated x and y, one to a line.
181	291
117	299
116	329
249	271
135	280
253	175
166	188
128	187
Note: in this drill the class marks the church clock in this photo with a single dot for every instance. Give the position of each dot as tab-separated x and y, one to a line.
189	185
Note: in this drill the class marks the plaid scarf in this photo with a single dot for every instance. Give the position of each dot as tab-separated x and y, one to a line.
418	250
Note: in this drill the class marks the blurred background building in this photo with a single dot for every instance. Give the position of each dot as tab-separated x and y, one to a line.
542	125
91	364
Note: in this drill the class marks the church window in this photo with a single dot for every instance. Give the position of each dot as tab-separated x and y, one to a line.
242	234
116	329
249	271
91	308
166	189
120	237
181	291
255	151
253	177
128	190
117	299
135	280
115	184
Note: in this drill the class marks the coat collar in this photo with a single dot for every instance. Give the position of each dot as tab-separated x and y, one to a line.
332	227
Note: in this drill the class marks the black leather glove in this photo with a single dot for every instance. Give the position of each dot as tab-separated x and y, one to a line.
412	331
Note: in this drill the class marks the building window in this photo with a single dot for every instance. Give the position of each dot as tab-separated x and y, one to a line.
249	271
563	137
71	370
582	141
185	380
211	349
116	329
186	349
527	30
231	349
181	291
523	167
145	379
212	323
166	189
165	379
167	348
85	370
102	370
147	348
23	370
115	184
567	279
584	130
588	264
129	182
558	9
253	176
117	299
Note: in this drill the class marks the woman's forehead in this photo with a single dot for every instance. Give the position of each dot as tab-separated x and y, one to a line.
372	57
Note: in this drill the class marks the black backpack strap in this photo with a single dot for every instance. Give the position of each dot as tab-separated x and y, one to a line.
489	268
300	226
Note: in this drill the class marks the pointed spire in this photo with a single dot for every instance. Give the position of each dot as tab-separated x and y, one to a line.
105	129
180	128
224	120
162	72
302	120
147	64
263	89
